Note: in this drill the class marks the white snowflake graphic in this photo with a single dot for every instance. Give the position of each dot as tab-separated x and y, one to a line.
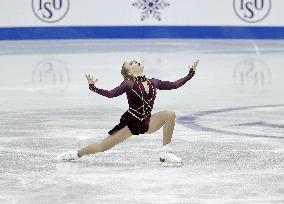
151	8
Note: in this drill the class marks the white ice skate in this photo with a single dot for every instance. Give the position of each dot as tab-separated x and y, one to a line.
68	156
168	159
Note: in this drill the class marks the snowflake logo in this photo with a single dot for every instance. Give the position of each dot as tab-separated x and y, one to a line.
150	8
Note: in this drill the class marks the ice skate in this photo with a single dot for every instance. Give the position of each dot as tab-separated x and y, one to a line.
168	159
68	156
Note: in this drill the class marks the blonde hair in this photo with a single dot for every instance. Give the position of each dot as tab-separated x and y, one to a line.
124	72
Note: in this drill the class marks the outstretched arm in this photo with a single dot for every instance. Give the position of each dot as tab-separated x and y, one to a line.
168	85
110	94
117	91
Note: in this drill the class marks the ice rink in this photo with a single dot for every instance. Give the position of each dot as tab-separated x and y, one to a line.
229	127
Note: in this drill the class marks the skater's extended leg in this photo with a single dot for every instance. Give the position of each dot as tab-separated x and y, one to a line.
167	120
106	143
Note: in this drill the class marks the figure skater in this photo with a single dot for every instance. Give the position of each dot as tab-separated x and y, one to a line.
141	93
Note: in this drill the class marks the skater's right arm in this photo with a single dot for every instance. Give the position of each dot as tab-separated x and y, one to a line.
110	94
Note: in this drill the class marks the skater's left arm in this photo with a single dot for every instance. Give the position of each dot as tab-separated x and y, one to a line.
168	85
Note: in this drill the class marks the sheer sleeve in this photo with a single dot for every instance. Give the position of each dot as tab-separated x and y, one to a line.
168	85
113	93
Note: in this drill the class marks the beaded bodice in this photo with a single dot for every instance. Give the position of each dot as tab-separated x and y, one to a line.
141	102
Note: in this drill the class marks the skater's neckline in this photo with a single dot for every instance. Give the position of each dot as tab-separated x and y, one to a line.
140	78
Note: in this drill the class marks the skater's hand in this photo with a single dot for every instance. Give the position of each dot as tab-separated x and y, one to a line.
90	79
193	66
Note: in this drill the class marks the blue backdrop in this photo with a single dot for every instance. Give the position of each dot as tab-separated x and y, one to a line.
110	32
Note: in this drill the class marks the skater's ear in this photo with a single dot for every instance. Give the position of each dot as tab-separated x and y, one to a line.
129	72
126	71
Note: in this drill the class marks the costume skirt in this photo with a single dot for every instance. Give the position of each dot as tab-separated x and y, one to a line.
135	125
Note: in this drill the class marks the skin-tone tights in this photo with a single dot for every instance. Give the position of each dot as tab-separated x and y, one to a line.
165	119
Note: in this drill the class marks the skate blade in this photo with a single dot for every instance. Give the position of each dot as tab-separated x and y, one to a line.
171	164
60	159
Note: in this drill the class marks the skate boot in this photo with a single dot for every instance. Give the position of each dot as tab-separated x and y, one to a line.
168	159
68	156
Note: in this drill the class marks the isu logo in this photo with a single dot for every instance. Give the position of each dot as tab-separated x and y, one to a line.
50	11
252	75
252	11
51	76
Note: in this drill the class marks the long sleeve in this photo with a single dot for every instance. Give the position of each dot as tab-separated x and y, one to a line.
168	85
110	94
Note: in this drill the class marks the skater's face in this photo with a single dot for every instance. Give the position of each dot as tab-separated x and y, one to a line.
134	68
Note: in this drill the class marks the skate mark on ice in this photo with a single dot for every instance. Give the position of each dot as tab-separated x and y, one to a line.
191	121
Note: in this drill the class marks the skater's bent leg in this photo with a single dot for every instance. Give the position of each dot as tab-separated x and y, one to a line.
165	119
106	143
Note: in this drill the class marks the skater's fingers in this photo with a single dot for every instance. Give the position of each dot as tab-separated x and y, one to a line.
87	77
196	63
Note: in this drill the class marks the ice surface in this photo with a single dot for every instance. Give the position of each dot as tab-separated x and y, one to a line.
229	130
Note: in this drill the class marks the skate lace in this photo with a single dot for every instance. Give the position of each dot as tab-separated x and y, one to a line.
68	157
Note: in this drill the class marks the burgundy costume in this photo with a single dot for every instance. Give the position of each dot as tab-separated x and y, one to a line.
137	117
